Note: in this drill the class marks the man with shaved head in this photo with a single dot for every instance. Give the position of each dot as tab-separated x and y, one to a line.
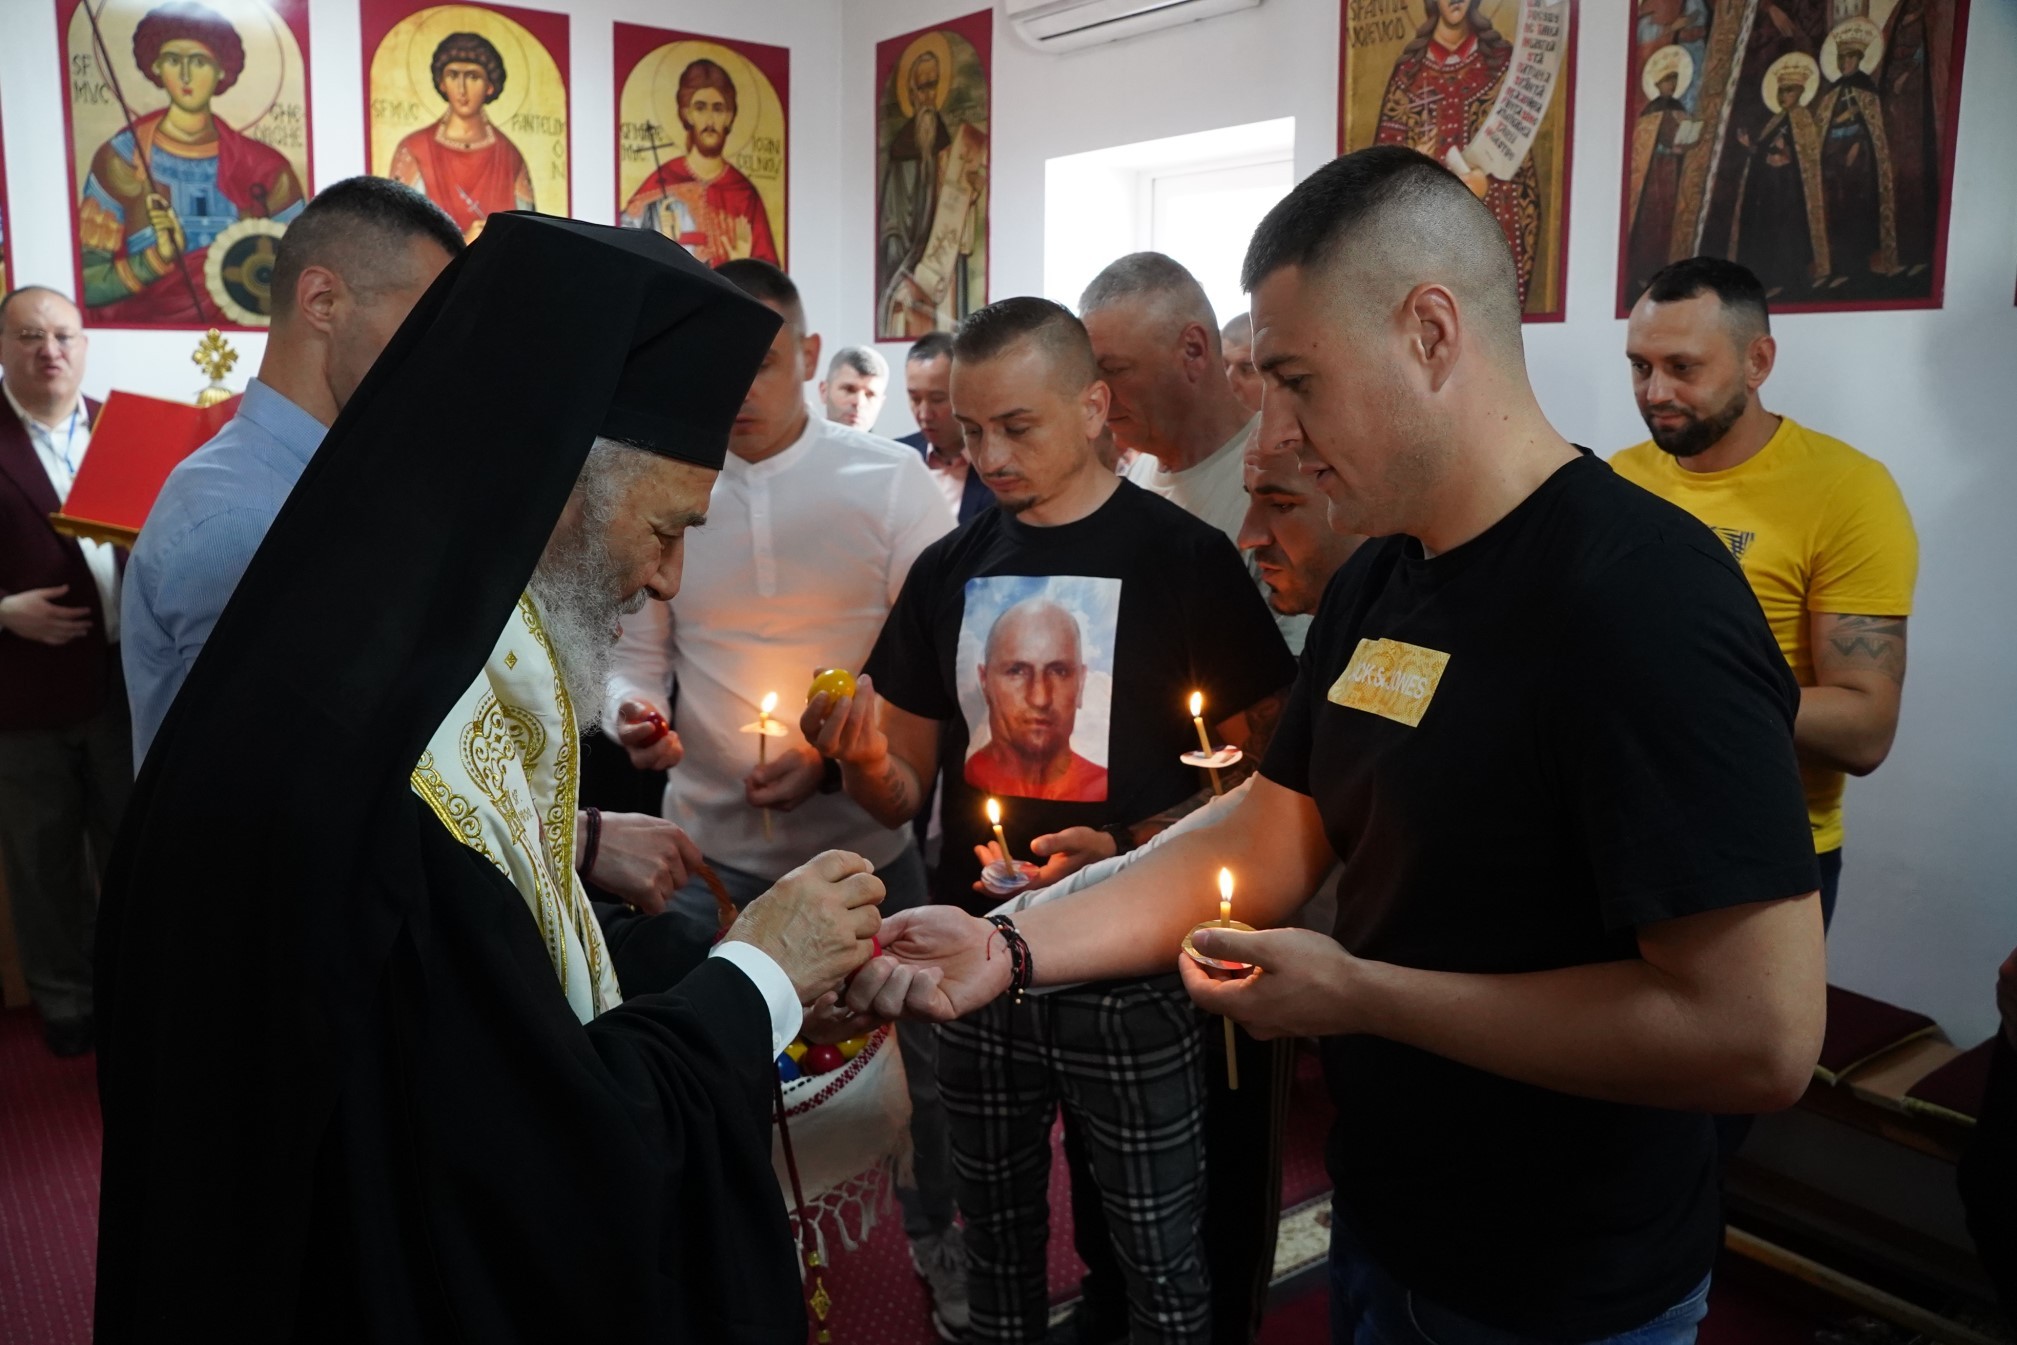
1542	723
1032	679
1236	343
1050	645
1157	342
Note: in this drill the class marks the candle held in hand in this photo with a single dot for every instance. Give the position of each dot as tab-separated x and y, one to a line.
994	820
1198	718
1226	918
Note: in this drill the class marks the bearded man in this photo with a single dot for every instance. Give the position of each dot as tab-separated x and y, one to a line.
366	1071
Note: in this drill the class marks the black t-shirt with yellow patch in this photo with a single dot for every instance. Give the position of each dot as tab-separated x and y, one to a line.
1575	724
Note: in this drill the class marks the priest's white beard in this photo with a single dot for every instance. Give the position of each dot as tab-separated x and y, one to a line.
578	585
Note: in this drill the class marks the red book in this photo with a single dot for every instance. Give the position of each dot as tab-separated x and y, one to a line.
135	443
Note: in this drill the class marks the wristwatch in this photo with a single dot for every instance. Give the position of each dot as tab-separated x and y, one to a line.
1124	839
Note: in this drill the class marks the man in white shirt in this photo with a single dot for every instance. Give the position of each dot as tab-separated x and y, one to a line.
66	762
811	530
855	386
1158	346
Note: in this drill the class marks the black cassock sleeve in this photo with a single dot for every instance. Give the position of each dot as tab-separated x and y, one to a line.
499	1173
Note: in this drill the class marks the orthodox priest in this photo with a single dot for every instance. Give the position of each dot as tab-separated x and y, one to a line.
366	1072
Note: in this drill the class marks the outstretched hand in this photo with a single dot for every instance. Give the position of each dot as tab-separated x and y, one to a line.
1061	854
938	964
1303	987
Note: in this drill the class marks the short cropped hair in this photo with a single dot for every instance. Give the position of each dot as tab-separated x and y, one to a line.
356	228
930	346
1149	275
864	361
1388	210
191	22
470	49
1238	331
991	332
766	284
1743	298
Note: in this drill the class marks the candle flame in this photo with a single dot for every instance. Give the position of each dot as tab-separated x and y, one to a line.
1197	704
993	813
770	702
1225	884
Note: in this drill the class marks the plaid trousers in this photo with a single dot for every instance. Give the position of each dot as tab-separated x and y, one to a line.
1126	1059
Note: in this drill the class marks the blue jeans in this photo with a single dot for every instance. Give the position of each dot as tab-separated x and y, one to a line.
1369	1307
928	1206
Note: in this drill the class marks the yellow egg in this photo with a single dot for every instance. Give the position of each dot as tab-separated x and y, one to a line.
796	1051
835	682
851	1048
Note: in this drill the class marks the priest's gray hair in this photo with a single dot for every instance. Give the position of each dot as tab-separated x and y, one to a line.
578	586
1169	294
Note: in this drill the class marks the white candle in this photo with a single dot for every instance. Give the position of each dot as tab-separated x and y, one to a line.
994	820
1225	896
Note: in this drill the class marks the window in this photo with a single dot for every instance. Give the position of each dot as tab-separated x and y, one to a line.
1195	197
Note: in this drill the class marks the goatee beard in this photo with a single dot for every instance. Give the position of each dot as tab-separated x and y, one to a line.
1700	433
578	589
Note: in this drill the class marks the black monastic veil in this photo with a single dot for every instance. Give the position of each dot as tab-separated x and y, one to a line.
344	1096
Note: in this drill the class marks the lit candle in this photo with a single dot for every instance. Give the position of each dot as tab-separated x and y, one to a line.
1232	1042
1204	739
763	730
994	820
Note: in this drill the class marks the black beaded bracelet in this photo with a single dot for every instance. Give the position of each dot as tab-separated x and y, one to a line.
1022	970
591	841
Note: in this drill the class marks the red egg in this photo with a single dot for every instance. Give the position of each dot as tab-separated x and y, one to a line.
822	1059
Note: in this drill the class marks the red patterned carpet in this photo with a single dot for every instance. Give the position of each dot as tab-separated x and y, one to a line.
48	1188
49	1138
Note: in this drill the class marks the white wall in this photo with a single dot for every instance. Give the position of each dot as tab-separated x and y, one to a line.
1929	899
1929	895
38	221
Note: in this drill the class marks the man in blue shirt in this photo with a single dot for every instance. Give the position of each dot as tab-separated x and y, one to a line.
349	270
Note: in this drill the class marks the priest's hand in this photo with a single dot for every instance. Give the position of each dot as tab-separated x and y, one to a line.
642	860
786	779
1303	987
818	924
643	733
33	614
965	952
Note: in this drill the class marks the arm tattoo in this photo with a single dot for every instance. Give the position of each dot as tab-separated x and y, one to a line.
1264	716
896	786
1874	643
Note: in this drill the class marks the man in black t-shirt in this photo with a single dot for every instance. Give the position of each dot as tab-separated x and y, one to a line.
1542	724
1045	652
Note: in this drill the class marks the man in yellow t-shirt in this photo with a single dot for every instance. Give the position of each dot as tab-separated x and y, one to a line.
1820	529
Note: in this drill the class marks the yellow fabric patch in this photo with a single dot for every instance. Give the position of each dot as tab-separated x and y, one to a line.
1391	679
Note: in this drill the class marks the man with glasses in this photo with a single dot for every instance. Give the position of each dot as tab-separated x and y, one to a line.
65	757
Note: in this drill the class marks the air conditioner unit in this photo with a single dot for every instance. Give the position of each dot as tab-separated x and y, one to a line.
1067	25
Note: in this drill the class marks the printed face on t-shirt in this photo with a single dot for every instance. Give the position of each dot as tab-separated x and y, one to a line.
1036	659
